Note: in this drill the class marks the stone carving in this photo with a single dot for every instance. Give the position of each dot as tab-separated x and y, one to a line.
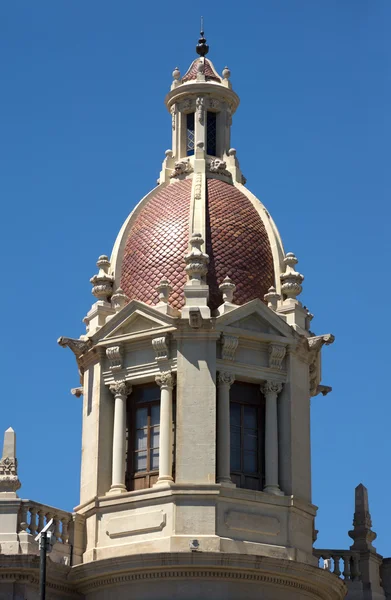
102	282
78	392
114	355
119	299
78	347
272	298
196	260
314	345
227	288
198	187
182	167
228	348
216	165
186	105
164	290
121	388
214	103
316	342
9	480
225	378
200	109
166	379
195	317
291	280
173	116
276	356
271	387
161	348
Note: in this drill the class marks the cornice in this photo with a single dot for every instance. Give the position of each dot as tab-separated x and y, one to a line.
320	584
200	88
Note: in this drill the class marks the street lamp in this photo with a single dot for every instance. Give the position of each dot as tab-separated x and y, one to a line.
46	541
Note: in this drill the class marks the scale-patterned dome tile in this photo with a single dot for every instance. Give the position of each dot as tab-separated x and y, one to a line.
191	74
237	244
157	244
236	241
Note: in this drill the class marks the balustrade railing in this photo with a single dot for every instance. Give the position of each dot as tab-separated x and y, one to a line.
33	517
343	563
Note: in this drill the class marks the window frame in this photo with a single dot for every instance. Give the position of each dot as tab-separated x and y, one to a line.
239	476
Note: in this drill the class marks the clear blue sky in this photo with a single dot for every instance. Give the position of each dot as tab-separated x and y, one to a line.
83	130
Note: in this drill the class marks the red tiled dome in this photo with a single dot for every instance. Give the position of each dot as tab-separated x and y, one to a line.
209	73
236	241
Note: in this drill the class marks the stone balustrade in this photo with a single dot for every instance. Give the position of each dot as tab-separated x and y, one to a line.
33	516
342	563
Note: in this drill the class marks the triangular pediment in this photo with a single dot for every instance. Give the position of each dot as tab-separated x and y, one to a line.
256	318
135	318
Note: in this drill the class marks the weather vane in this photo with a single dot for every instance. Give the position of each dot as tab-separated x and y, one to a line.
202	47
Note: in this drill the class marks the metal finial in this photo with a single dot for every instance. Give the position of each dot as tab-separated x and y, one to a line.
202	47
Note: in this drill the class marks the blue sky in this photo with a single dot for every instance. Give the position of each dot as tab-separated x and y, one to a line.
83	133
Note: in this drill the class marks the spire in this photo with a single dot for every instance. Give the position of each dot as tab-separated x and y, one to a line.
9	481
202	47
362	534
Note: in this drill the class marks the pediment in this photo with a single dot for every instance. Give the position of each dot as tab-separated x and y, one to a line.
135	318
257	318
255	323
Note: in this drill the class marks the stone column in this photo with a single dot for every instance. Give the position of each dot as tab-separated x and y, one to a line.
271	389
225	380
166	382
120	390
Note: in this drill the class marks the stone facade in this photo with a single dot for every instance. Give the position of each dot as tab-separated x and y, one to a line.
197	368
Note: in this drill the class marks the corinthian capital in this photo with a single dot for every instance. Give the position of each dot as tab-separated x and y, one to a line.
225	378
165	379
271	387
121	388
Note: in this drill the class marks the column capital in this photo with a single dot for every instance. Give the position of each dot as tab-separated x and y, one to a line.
166	379
225	378
121	388
271	387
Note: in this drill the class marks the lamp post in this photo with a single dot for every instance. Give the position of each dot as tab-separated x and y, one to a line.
46	540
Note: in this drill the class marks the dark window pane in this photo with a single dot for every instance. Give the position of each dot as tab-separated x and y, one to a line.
250	462
235	459
190	133
211	133
235	414
250	440
250	417
141	417
155	414
235	438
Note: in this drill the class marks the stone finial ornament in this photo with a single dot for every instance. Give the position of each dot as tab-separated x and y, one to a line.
164	290
9	480
362	534
227	288
176	74
226	73
102	282
119	299
202	47
291	280
196	260
272	297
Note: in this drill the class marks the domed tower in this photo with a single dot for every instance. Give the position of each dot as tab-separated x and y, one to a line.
197	370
